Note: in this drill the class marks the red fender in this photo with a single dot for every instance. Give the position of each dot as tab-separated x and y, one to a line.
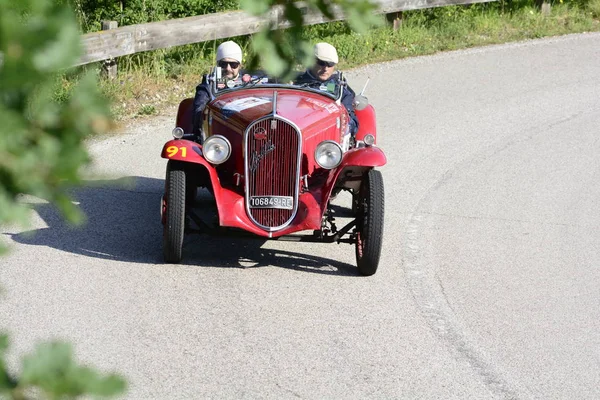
191	152
365	157
370	156
366	122
184	115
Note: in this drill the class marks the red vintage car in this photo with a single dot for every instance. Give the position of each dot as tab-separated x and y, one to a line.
273	156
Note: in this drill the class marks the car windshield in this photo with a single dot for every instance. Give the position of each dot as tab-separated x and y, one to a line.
220	85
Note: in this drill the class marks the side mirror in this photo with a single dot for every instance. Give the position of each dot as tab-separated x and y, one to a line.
360	102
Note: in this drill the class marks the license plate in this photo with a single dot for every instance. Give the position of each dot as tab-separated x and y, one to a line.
283	202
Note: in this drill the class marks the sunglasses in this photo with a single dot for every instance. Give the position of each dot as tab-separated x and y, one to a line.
325	63
232	64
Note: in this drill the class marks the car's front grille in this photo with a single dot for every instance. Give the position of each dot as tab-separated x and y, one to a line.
272	169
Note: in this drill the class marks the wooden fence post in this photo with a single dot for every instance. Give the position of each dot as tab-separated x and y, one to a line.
109	67
396	19
544	6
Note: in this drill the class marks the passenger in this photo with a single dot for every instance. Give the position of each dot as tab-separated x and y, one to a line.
229	58
324	72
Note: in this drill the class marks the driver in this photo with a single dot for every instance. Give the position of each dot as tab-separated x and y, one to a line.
324	72
229	59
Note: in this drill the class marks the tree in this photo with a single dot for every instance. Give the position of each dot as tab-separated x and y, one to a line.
41	153
41	140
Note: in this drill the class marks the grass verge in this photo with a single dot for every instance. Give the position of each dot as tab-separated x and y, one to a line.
150	83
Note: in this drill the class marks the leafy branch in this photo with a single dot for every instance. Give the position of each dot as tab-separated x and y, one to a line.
41	140
51	371
279	51
41	153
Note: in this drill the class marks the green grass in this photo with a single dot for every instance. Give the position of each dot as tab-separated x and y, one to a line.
594	8
164	77
458	27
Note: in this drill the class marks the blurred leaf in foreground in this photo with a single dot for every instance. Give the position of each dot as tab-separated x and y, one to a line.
41	140
280	52
52	369
41	153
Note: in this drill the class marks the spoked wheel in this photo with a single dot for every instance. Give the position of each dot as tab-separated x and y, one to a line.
369	223
174	226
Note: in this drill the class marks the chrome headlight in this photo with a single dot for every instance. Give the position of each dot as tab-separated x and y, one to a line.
178	133
328	154
216	149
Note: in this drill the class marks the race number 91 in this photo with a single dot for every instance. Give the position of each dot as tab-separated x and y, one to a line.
172	151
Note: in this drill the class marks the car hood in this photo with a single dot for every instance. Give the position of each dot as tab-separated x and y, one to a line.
311	112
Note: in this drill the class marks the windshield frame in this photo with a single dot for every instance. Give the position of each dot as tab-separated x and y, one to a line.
215	93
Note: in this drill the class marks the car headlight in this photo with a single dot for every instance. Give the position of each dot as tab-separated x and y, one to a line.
178	133
216	149
369	139
328	154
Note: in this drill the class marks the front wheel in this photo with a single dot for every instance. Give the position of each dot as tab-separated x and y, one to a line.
369	221
174	226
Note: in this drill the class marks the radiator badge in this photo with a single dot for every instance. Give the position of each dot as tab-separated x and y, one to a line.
259	133
260	154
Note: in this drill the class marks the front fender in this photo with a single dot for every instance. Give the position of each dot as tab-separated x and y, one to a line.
190	152
366	123
371	156
354	165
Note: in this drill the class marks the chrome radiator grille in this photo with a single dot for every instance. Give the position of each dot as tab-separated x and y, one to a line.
272	170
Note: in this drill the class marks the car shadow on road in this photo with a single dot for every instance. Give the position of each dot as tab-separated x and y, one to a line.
224	252
123	224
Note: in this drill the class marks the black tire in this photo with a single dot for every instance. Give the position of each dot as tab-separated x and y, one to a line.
369	223
174	227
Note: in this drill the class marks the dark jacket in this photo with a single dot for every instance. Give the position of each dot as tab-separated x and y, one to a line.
347	95
202	98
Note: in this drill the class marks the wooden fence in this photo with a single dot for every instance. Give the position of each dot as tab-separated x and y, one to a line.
117	42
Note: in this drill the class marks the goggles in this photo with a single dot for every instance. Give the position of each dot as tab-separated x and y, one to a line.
325	63
232	64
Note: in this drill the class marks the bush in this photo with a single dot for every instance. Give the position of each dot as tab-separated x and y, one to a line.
594	7
91	13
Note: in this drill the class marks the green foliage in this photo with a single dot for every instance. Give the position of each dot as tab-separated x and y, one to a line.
52	371
41	139
41	152
147	109
279	52
7	383
594	7
90	13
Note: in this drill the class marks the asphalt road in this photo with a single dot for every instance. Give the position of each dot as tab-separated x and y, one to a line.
488	288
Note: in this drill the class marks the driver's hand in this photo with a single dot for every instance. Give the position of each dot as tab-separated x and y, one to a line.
246	78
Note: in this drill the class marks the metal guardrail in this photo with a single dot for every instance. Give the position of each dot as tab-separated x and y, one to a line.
117	42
